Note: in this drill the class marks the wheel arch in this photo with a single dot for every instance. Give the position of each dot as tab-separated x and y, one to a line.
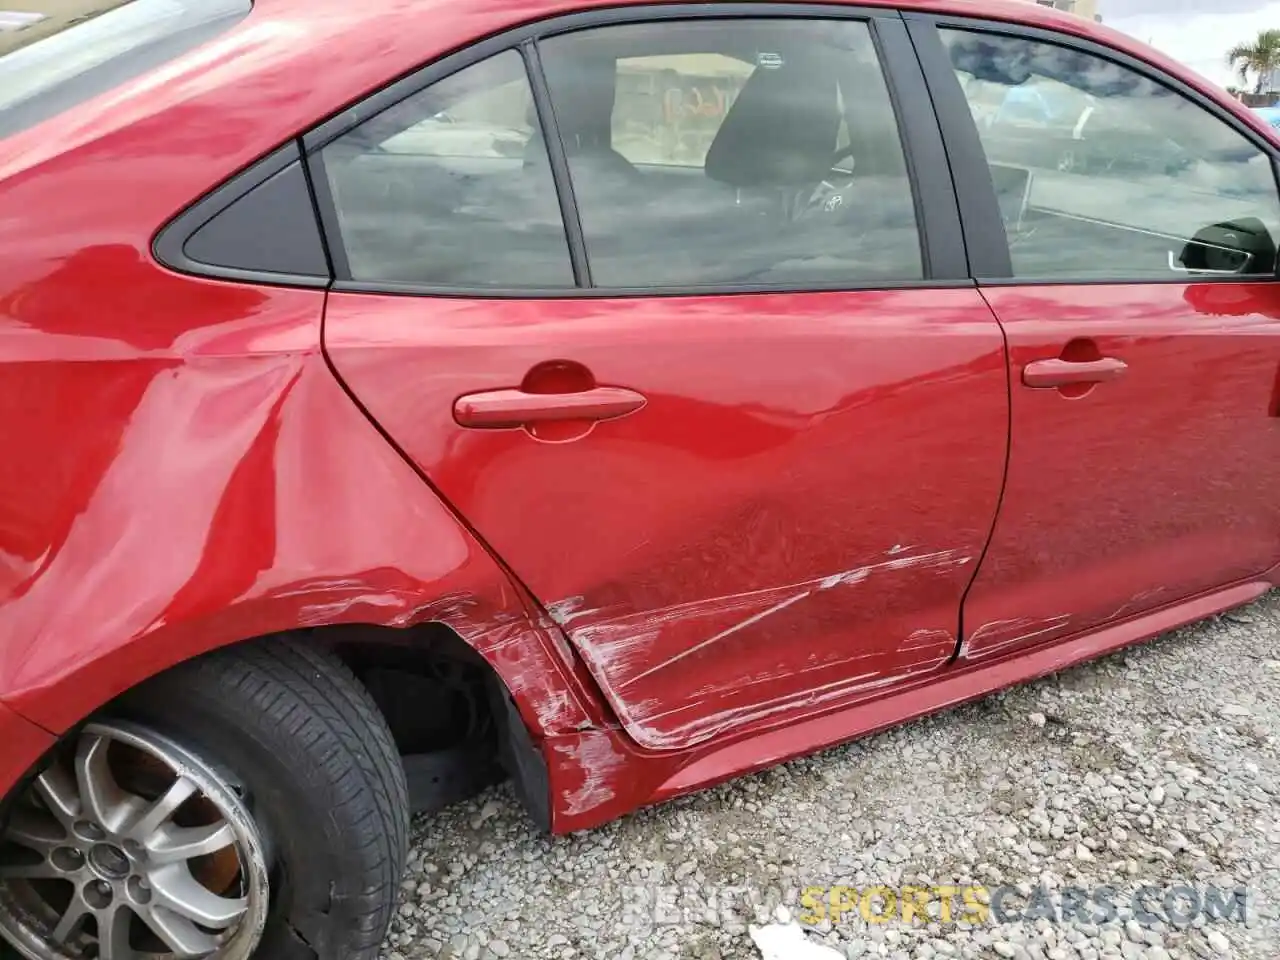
514	710
518	650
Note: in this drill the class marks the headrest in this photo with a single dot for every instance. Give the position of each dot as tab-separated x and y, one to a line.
781	129
583	90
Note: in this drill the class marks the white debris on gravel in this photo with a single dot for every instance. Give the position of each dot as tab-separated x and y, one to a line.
786	941
1155	767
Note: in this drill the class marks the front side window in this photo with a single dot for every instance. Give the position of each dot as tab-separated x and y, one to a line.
1103	173
64	53
452	187
726	152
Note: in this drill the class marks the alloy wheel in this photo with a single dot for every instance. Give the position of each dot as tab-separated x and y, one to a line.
130	847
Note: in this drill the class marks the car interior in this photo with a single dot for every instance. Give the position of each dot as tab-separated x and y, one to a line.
784	195
803	180
420	213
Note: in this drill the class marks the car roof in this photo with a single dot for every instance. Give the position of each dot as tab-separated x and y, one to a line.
492	15
519	11
347	50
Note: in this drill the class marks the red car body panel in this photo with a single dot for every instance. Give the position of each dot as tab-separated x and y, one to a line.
1148	489
24	743
789	523
185	472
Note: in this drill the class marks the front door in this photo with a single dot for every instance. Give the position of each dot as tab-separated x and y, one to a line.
1142	313
750	470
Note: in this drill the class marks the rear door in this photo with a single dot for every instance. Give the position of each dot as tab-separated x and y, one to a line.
1134	273
697	359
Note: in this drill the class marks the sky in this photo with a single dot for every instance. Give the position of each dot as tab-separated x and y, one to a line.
1195	32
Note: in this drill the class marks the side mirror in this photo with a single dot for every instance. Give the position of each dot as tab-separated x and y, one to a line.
1234	247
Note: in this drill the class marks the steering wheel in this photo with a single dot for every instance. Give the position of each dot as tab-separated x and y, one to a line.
843	153
829	196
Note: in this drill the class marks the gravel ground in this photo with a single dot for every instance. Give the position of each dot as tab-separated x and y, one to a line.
1155	766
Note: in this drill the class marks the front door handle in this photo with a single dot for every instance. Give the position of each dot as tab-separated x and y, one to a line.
1062	373
495	409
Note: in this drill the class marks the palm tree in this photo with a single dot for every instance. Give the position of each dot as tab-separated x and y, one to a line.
1260	57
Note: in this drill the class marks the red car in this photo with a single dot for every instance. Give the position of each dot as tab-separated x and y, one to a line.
616	398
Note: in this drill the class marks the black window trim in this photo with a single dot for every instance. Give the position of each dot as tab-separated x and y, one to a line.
168	245
570	219
943	259
981	222
326	212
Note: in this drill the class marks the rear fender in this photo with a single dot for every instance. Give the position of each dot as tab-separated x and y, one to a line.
249	497
24	744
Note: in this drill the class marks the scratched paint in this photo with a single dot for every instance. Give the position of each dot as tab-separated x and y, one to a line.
538	684
670	684
512	643
926	639
742	625
597	764
336	611
631	639
551	629
817	697
1013	632
565	612
1137	602
562	611
1002	635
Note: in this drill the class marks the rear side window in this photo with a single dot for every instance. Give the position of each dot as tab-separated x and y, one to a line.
452	187
762	152
699	153
65	53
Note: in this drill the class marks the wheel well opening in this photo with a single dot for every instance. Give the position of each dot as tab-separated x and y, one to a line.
433	688
451	715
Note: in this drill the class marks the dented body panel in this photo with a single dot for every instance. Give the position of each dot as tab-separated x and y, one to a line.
244	496
185	472
732	551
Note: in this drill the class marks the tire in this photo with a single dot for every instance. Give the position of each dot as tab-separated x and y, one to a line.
306	747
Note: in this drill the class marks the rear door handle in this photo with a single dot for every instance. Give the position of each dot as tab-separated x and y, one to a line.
495	409
1062	373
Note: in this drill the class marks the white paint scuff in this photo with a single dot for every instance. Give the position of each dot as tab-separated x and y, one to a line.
618	645
997	627
938	558
599	763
